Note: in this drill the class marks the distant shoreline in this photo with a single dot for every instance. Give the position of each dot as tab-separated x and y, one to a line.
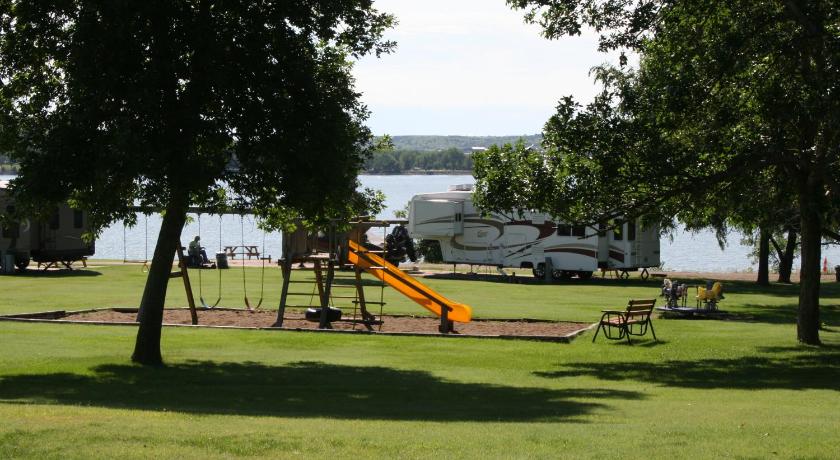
431	172
12	172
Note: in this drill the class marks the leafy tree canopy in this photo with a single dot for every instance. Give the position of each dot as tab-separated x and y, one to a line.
178	102
116	102
404	161
734	107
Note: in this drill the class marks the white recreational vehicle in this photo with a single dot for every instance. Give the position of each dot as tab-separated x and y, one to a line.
56	240
466	236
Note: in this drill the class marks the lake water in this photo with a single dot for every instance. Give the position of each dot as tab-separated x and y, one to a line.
680	251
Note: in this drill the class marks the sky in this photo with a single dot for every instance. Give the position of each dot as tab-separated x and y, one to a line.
471	67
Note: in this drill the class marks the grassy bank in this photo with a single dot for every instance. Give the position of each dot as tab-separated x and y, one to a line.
122	286
709	389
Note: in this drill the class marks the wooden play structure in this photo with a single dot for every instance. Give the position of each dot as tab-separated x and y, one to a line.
330	253
338	259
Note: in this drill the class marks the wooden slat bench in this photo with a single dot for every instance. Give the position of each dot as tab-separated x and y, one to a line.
633	320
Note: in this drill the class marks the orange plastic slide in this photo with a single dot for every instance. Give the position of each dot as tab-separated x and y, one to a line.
406	285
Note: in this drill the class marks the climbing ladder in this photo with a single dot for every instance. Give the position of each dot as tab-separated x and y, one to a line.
324	266
328	290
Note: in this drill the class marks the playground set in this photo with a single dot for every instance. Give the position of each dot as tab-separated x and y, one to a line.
333	267
342	263
338	260
332	253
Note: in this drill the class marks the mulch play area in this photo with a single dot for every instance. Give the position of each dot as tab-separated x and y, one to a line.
526	329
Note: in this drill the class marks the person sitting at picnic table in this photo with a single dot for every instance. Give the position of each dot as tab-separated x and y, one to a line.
196	251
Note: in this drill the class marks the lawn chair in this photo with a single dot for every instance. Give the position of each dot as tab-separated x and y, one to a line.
634	320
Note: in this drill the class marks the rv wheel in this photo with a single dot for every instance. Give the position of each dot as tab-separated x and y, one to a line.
539	271
561	275
21	264
584	275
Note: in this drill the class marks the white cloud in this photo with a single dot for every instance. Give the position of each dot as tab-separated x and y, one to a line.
473	57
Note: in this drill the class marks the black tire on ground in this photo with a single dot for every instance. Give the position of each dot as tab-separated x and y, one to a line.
584	275
314	314
539	271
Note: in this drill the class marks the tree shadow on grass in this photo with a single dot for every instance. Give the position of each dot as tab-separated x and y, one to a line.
779	314
793	368
304	389
63	273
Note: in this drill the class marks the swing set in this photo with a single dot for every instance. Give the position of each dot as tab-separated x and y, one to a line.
183	265
325	253
219	292
145	267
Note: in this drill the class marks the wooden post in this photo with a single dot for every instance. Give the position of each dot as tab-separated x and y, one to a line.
445	325
325	295
319	279
360	293
185	276
286	270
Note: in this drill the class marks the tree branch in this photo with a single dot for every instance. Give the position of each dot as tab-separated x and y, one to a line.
831	234
776	246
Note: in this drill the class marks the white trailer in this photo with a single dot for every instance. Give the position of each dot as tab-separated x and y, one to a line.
467	236
56	240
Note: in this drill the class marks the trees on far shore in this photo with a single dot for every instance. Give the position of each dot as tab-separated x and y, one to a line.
406	161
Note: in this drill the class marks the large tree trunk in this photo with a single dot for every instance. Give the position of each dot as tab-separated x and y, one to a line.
763	257
808	319
147	346
786	258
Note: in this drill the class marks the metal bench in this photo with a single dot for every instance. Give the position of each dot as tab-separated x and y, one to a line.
634	320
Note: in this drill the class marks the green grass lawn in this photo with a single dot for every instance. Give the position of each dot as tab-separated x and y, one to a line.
739	389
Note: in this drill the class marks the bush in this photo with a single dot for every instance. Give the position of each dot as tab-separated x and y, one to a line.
430	251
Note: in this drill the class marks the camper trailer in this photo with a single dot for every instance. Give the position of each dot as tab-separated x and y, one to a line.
56	240
528	241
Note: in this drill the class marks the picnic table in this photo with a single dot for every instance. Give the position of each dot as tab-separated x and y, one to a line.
619	273
67	263
250	251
